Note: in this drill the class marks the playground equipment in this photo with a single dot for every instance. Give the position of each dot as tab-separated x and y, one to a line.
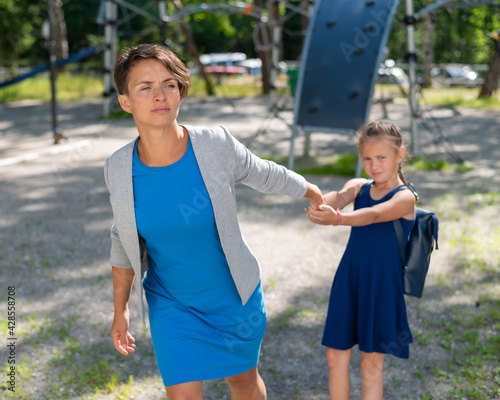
342	53
340	59
268	21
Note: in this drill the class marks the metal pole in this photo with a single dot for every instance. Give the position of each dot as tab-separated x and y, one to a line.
109	53
56	131
275	48
162	10
411	55
431	7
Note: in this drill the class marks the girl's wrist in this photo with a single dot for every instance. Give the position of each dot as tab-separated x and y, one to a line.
339	217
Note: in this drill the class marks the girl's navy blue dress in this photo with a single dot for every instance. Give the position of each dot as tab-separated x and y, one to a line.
199	327
367	304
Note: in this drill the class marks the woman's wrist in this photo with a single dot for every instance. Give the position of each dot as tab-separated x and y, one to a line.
314	195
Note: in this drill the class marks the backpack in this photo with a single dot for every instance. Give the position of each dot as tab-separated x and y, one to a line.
415	254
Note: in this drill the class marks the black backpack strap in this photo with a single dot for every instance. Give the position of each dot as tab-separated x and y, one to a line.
399	229
363	189
401	242
410	187
435	227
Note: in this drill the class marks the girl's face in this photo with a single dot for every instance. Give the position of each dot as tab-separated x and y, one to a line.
381	160
153	95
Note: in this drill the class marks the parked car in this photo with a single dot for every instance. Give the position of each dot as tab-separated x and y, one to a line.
390	74
455	75
224	63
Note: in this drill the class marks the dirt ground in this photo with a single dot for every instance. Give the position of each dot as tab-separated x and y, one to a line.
54	223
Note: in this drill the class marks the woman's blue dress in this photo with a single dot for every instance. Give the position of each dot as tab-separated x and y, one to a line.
199	327
367	304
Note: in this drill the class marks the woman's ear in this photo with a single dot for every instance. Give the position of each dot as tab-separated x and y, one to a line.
124	104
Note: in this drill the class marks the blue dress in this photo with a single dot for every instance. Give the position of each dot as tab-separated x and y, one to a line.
199	327
367	305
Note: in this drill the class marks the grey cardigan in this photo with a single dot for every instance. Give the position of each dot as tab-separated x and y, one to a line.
223	162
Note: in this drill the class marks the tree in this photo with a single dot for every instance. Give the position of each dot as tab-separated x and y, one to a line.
21	31
427	47
60	31
490	83
193	49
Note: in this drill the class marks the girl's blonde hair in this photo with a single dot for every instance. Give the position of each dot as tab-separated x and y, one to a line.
388	131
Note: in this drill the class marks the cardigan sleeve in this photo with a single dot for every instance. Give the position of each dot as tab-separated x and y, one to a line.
118	256
264	175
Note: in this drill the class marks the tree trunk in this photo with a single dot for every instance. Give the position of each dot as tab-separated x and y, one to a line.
60	32
428	48
265	57
193	49
490	83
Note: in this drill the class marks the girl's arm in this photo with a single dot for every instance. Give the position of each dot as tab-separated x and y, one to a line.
122	285
346	195
401	205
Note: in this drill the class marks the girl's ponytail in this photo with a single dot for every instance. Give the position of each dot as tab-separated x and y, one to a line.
409	185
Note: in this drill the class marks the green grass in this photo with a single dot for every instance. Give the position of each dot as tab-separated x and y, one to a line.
68	86
469	331
81	86
441	96
76	87
460	97
345	165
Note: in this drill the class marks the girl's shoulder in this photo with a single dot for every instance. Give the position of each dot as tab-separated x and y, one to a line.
357	184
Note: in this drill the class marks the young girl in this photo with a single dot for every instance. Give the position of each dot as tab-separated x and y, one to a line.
367	305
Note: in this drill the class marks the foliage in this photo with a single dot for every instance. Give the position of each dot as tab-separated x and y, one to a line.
460	34
20	30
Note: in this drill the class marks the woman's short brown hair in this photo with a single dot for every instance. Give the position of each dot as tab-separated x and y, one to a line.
131	57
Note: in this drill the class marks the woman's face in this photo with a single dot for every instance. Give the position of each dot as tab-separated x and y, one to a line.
153	95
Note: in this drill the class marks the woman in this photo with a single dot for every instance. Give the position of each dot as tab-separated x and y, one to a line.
172	194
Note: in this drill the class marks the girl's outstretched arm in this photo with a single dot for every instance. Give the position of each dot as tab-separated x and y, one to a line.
346	195
401	205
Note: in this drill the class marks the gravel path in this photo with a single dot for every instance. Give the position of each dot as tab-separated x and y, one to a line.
54	222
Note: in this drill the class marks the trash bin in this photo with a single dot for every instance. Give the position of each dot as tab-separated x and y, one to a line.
293	76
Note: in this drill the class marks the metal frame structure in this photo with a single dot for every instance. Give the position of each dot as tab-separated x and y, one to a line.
411	19
302	74
108	16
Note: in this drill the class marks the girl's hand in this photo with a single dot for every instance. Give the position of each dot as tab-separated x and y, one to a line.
324	215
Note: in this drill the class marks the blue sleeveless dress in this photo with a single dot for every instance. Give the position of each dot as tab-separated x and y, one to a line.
199	327
367	305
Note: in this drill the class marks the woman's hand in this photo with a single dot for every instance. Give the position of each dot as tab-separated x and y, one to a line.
122	284
314	196
324	215
122	339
